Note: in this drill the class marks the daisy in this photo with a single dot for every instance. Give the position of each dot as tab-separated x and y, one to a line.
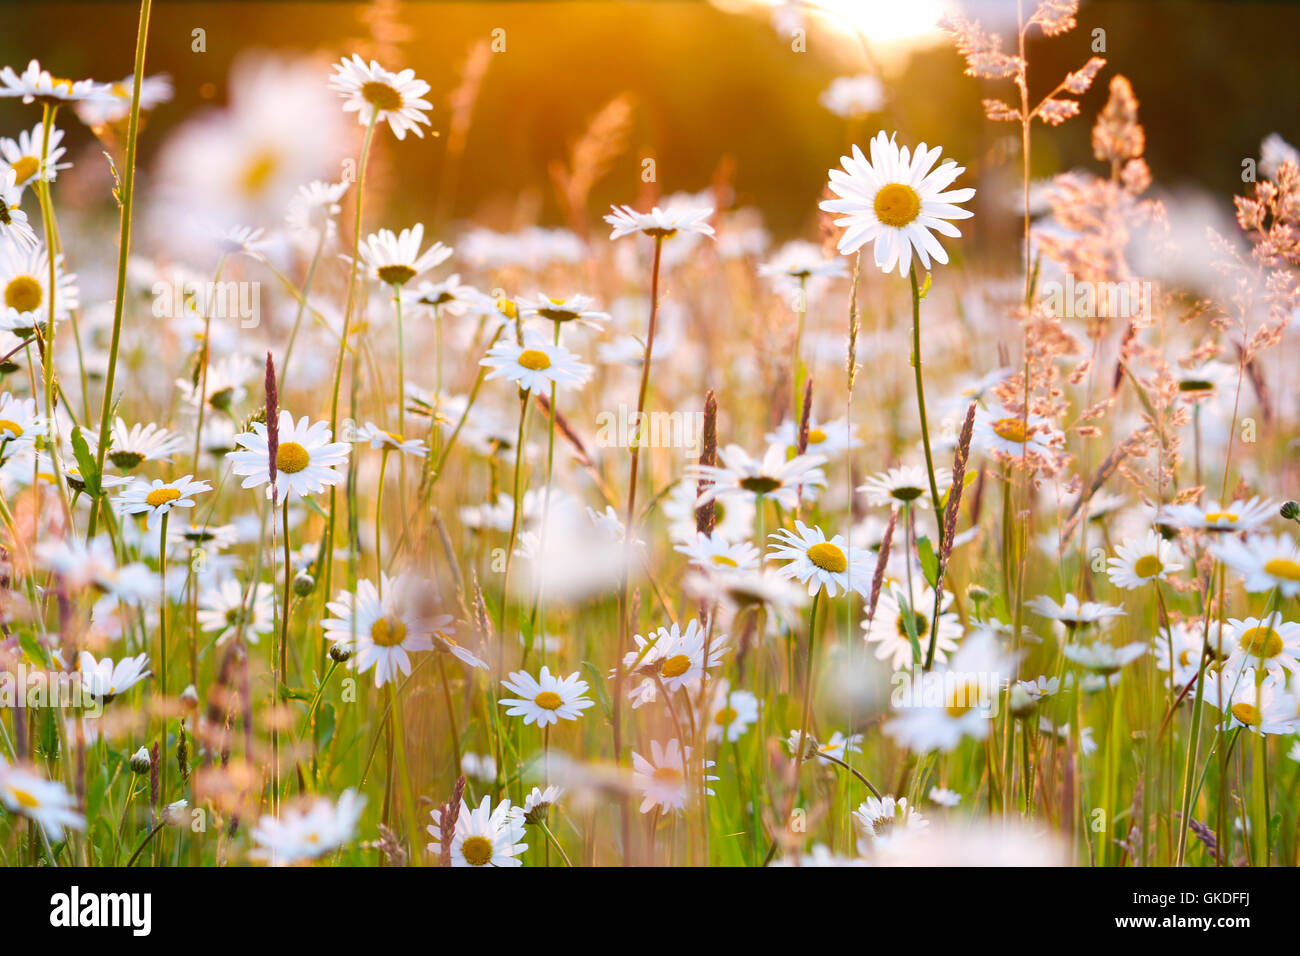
1270	644
36	84
224	384
312	211
659	223
374	436
395	259
1141	562
157	498
829	439
483	836
105	680
743	590
222	609
1238	516
19	421
46	802
450	296
731	712
575	308
883	818
13	221
888	629
800	265
1103	659
662	779
773	477
822	564
1007	434
535	365
154	91
944	797
854	96
838	747
24	155
1261	708
538	802
895	201
306	461
733	520
712	552
382	631
675	657
905	485
130	447
1264	562
376	95
308	832
25	277
1178	649
546	699
1073	613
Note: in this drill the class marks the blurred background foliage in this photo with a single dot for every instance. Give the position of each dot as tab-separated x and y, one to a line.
716	94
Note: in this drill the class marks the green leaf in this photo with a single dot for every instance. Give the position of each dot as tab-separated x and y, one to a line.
929	560
86	464
598	685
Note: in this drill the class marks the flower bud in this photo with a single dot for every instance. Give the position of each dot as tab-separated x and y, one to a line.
140	762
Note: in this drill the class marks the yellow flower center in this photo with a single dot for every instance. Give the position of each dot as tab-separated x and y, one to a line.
1147	566
291	458
533	359
25	169
24	294
828	557
24	798
963	700
396	274
1261	642
1220	517
388	632
548	700
381	95
161	496
919	621
259	172
725	716
897	205
1010	429
1248	714
13	428
669	775
476	850
721	560
675	666
816	436
1283	568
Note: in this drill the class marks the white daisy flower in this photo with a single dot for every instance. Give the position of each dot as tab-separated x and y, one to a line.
1264	562
821	563
1237	516
309	831
1269	643
383	631
1260	707
395	259
663	779
1103	659
1072	612
449	297
372	92
306	461
888	629
904	485
223	608
731	712
36	84
829	439
105	680
130	447
483	836
710	552
837	747
546	699
801	265
659	223
24	155
24	792
13	221
895	201
223	386
1138	563
313	210
374	436
774	476
156	498
154	91
1007	434
535	365
675	657
19	422
538	802
944	797
574	308
1178	650
854	96
884	818
25	277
